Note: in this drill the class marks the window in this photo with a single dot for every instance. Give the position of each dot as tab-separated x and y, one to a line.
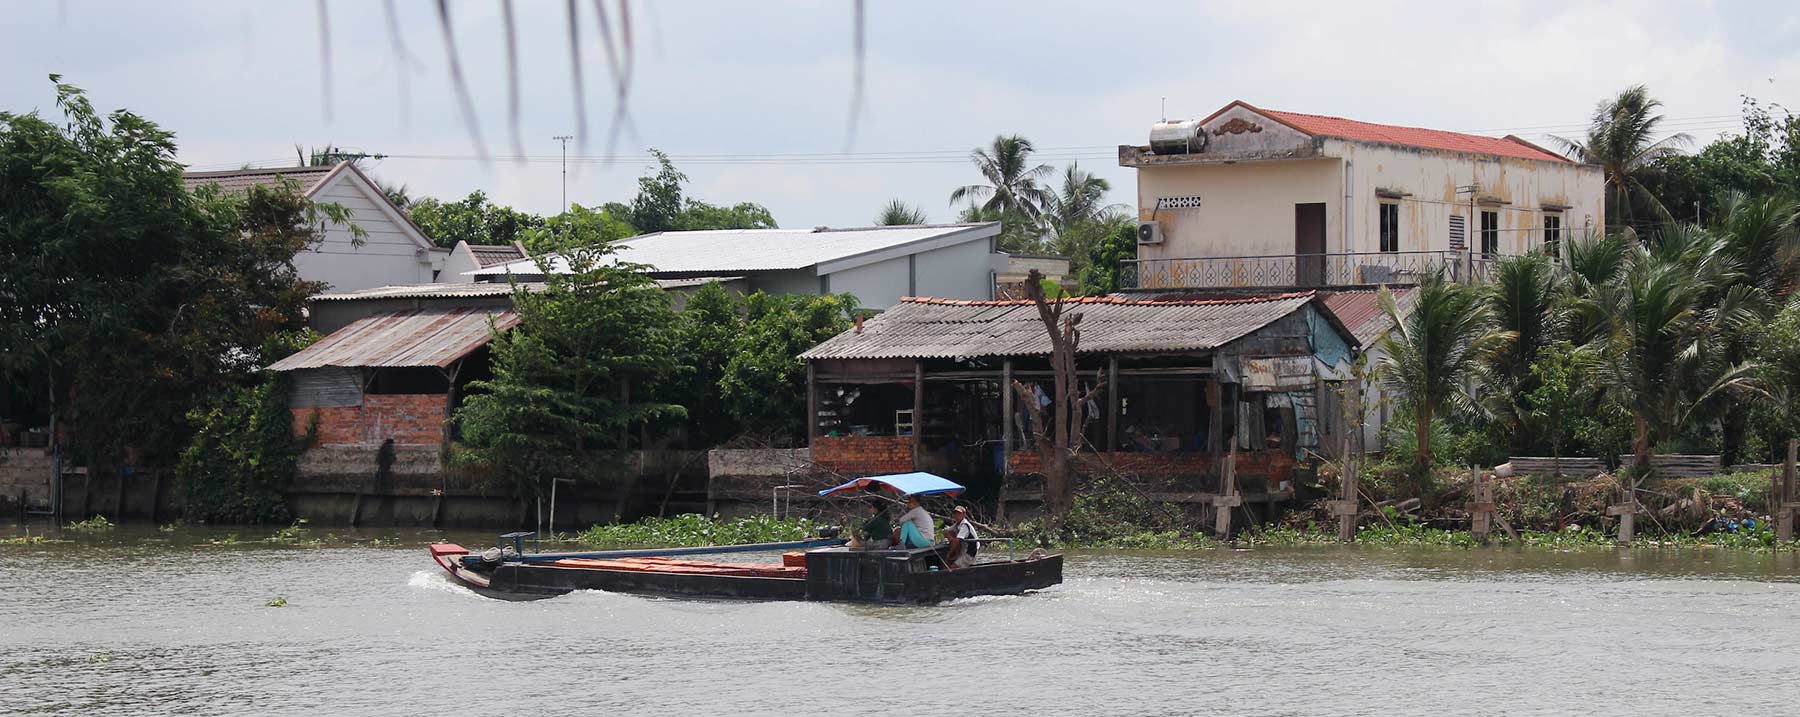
1490	233
1390	227
1458	233
1552	232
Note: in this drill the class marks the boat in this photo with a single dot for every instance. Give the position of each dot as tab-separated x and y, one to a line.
824	568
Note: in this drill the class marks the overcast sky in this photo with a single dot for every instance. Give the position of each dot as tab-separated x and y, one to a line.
753	99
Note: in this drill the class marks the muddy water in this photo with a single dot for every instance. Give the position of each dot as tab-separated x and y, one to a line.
166	623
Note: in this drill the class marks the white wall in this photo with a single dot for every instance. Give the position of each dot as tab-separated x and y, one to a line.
878	285
1247	209
460	260
1432	178
388	255
963	271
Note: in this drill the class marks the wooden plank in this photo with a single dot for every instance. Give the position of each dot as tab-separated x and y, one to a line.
1112	403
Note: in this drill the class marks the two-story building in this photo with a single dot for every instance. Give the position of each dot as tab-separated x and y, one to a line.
1250	197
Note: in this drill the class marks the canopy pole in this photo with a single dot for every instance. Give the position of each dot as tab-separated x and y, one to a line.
918	411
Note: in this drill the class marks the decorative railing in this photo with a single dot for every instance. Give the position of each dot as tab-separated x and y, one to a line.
1305	270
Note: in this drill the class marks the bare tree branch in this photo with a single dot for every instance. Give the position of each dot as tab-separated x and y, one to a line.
456	75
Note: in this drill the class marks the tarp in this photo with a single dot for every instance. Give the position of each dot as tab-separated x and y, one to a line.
904	484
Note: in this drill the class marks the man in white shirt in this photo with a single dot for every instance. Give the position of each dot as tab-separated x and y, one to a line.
914	529
961	532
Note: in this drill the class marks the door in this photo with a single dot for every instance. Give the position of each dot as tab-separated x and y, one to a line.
1309	244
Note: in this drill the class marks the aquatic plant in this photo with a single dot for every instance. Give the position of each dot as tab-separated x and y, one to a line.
29	539
277	601
95	524
693	530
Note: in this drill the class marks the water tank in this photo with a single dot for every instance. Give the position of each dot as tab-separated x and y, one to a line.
1177	137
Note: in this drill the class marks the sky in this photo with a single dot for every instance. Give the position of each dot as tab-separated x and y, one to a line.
754	101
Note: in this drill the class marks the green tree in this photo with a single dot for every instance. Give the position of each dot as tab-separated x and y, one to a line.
139	299
244	454
1623	141
1557	395
898	213
1101	273
660	206
1430	355
1764	160
710	329
472	219
580	226
1523	301
1013	193
573	377
764	386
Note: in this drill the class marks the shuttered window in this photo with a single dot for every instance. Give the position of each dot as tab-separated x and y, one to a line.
1459	232
1390	227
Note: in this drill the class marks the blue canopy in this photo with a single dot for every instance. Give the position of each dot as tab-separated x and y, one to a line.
904	484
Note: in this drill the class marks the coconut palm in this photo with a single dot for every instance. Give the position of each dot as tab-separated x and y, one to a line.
1012	182
1658	347
1622	140
1523	302
1432	352
896	213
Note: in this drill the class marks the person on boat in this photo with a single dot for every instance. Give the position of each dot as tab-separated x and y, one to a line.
877	531
914	530
962	536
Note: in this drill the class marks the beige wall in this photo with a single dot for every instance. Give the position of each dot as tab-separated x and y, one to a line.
1246	209
1431	178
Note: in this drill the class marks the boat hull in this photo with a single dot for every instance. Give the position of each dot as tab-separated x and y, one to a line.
896	577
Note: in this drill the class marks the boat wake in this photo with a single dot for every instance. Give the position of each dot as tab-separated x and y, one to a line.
436	580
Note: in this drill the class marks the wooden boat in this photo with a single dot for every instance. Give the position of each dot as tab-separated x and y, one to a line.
823	569
821	573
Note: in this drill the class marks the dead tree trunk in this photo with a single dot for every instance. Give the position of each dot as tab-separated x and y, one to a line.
1058	435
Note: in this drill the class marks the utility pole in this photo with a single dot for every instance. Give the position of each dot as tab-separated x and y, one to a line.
564	138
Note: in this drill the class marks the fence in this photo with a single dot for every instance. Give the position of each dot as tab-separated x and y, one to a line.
1305	270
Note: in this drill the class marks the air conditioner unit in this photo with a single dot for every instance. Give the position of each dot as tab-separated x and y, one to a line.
1150	232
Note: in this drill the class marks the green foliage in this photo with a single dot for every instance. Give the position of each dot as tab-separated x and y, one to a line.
472	219
138	298
1522	301
898	213
710	329
1763	161
691	530
242	457
96	524
1106	257
277	601
579	226
1014	193
1556	399
573	376
764	385
1108	516
1432	350
661	206
1623	140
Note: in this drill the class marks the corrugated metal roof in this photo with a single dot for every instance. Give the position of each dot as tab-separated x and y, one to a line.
734	251
1360	310
427	291
402	339
238	180
940	328
487	255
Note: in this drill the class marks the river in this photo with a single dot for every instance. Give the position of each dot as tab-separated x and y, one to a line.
141	622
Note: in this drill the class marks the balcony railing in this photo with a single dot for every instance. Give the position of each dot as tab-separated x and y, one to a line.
1305	270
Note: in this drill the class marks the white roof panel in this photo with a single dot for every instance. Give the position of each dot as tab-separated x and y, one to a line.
737	251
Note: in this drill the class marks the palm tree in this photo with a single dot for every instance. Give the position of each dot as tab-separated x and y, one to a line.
1430	354
1081	199
1622	141
897	213
1012	187
1523	302
1658	347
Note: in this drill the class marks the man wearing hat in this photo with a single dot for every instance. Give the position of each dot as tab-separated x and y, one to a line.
962	535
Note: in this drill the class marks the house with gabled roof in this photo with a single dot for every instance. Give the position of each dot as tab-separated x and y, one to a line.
392	249
1250	197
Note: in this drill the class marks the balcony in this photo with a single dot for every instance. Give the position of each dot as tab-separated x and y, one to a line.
1281	271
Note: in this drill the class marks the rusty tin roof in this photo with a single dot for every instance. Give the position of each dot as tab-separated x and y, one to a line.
940	328
402	339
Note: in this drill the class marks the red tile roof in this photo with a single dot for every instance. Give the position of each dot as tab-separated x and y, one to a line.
1360	310
1169	300
1323	125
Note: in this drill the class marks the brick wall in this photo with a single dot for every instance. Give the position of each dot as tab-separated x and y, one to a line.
410	419
864	455
25	471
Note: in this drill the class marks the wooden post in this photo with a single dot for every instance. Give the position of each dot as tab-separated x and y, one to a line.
1783	499
1112	403
812	405
1349	486
1228	497
1481	510
918	411
1627	512
1008	421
